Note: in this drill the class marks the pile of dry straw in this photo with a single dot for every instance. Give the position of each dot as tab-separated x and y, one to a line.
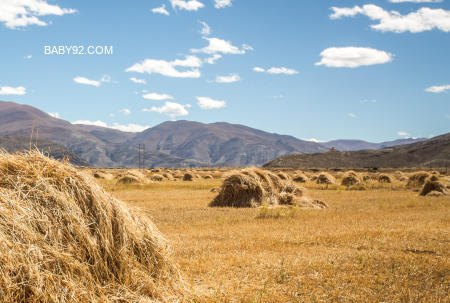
253	187
64	239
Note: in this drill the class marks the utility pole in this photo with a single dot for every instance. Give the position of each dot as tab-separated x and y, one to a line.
144	159
139	157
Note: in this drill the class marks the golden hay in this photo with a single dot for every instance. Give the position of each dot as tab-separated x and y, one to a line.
364	177
208	177
157	177
300	177
64	239
350	178
101	175
253	187
197	176
168	176
133	177
385	178
404	178
435	194
283	176
419	177
189	177
325	178
433	186
435	173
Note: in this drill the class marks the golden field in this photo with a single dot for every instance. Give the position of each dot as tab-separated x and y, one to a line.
381	244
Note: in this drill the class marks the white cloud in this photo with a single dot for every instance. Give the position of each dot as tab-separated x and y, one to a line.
400	133
161	10
277	97
125	111
353	57
415	1
145	91
28	57
125	128
228	79
133	128
425	19
105	78
208	103
431	136
136	93
282	70
112	115
87	122
374	101
141	81
259	69
54	115
192	5
438	89
276	70
188	105
168	68
222	3
352	115
84	80
213	59
155	96
7	90
247	47
217	45
313	140
170	109
206	30
21	13
363	101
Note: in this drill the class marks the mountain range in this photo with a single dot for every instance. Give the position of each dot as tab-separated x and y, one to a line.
169	144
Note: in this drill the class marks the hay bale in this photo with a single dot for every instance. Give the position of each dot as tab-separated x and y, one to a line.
189	177
215	190
101	175
64	239
398	174
157	177
419	177
364	177
300	177
133	177
325	178
404	178
435	194
198	176
208	177
433	186
385	178
283	176
313	177
253	187
168	176
350	178
436	173
155	170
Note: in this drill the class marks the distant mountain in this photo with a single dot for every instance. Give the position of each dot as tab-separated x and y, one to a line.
99	146
432	152
221	143
54	150
355	145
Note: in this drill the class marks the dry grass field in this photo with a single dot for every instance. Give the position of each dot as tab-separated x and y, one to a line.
382	244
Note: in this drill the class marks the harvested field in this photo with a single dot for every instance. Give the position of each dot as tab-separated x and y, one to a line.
384	244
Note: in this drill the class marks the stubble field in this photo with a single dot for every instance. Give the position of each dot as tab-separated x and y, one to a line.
382	244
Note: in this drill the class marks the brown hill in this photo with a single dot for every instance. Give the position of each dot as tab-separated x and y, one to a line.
89	142
53	150
433	152
218	143
354	145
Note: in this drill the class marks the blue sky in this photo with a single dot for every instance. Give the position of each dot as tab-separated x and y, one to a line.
325	63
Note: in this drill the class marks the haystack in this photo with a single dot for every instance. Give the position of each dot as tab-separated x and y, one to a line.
102	175
208	177
283	176
157	177
435	194
385	178
64	239
300	177
350	178
404	178
198	176
189	177
168	176
419	177
364	177
434	186
253	187
435	173
398	174
325	178
133	177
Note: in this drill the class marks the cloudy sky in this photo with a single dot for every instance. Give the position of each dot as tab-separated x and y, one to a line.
370	70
